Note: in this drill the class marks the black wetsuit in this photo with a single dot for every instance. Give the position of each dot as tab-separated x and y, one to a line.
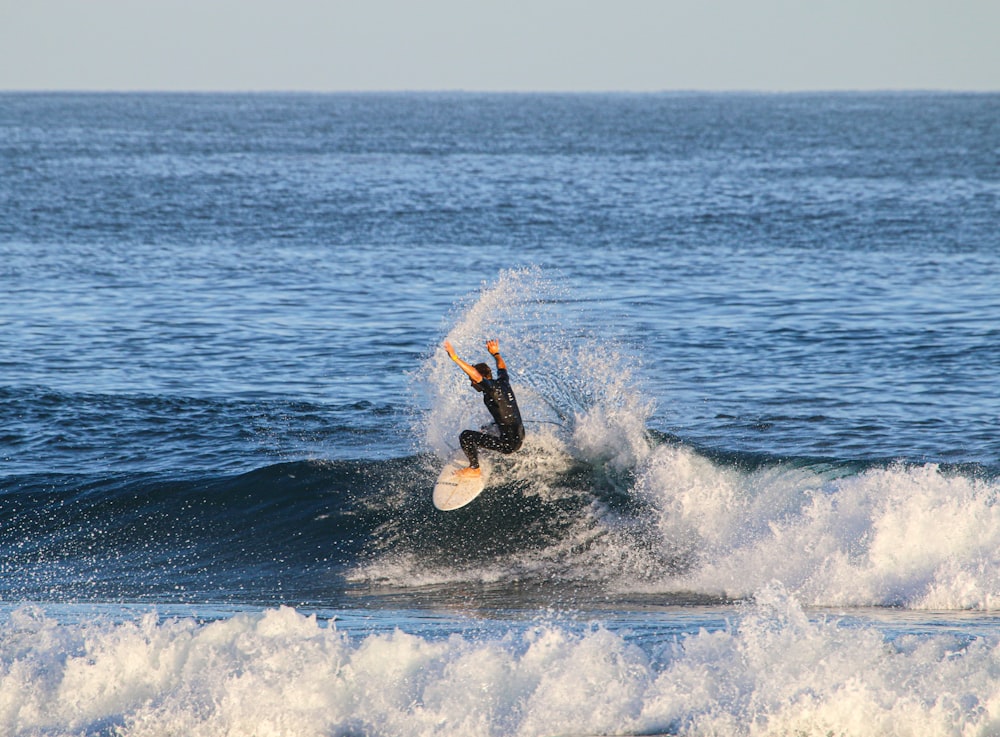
499	400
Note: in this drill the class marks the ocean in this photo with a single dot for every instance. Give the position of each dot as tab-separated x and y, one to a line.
755	339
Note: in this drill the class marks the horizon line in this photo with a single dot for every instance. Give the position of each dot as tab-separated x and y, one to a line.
467	91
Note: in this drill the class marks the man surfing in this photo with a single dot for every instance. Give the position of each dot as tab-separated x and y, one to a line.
499	400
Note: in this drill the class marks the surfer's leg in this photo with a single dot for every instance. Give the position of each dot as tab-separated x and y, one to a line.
511	441
469	440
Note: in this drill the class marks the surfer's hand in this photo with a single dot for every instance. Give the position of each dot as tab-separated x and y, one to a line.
493	346
450	350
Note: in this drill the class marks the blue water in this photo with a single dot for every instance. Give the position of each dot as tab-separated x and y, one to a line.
755	339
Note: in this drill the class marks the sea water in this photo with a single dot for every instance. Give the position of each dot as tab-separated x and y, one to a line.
755	339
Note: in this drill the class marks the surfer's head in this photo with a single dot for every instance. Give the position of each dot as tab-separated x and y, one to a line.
484	371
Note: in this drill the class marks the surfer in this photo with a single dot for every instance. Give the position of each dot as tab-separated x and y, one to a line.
499	400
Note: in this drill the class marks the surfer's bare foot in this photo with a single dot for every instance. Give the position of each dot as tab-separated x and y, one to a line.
469	473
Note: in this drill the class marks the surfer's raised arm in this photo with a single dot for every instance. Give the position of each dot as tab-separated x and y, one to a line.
469	369
493	346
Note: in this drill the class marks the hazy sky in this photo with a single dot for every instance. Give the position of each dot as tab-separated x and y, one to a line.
512	45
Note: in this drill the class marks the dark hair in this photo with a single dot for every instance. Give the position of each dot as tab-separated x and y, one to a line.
484	370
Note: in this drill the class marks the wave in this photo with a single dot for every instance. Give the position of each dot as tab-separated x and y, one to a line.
595	504
770	671
283	530
596	498
677	522
917	536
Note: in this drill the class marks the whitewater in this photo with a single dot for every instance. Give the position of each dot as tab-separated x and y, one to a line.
772	670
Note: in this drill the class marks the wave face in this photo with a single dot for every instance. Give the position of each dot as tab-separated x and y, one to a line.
919	536
149	536
678	522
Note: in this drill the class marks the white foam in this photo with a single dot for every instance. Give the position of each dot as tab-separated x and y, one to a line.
777	673
774	671
903	536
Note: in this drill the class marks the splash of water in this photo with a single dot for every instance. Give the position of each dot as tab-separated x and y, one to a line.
572	385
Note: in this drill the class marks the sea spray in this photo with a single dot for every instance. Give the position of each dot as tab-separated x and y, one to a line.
566	378
564	497
508	312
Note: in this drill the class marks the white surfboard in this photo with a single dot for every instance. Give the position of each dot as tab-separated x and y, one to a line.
451	491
